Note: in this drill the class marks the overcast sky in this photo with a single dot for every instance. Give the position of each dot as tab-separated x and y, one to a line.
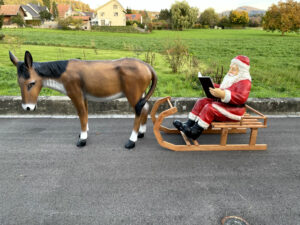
157	5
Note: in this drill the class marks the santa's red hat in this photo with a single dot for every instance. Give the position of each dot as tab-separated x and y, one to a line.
242	61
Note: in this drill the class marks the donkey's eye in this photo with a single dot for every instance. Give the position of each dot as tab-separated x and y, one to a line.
30	85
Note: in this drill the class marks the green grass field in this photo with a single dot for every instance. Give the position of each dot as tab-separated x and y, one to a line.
275	59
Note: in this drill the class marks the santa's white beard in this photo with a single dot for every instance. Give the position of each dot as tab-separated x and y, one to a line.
230	79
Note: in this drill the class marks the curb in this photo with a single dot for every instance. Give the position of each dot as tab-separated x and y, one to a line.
62	105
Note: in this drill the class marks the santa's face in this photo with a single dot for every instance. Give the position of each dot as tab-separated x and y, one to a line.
234	69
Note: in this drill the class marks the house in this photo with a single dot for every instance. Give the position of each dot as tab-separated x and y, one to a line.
64	11
38	8
86	20
110	14
90	14
32	16
33	13
8	11
134	17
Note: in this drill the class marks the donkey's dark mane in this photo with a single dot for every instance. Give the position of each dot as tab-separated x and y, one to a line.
44	69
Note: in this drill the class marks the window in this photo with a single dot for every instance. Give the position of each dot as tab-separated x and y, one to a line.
102	14
115	6
116	14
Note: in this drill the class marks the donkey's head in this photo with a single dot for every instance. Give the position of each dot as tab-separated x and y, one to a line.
29	81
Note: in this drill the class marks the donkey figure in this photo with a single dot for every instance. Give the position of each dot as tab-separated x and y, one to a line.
90	80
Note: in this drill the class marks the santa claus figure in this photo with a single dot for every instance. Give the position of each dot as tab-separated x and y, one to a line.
229	104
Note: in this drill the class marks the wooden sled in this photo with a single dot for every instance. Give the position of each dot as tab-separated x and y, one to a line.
224	128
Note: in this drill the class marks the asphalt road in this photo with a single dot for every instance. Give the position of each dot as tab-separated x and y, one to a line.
46	179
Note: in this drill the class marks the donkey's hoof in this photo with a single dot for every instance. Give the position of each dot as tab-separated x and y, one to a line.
81	142
141	135
130	145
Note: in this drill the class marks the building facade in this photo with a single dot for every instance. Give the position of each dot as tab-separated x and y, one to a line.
110	14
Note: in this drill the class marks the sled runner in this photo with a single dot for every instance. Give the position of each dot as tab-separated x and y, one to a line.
252	122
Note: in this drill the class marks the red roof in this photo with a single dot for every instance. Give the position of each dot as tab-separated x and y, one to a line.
10	10
62	9
84	18
136	17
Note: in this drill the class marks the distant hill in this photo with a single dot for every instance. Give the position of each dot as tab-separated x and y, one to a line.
251	11
77	5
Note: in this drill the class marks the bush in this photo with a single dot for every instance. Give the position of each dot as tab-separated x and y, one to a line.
150	57
1	21
197	26
66	24
176	54
149	27
117	29
160	25
132	22
18	19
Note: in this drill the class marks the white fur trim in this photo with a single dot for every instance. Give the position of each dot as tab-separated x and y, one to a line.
143	128
227	97
83	135
240	64
226	113
133	136
202	123
192	116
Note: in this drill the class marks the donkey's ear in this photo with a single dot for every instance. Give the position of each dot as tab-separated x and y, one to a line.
13	58
28	59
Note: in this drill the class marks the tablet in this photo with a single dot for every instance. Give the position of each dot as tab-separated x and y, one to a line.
206	83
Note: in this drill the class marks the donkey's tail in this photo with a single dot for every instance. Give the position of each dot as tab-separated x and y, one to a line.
139	106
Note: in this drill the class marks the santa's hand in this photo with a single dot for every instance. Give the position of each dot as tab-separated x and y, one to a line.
217	92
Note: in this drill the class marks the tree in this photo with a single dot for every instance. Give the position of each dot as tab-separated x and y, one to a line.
18	19
255	21
146	18
54	10
209	17
128	11
165	14
1	16
224	22
284	17
183	16
239	18
45	15
47	3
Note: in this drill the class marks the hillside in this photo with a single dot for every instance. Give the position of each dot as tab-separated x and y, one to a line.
77	5
251	11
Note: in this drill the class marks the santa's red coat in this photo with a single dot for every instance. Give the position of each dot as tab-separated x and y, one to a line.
231	108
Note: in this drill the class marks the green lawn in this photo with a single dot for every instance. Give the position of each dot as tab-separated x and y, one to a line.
275	59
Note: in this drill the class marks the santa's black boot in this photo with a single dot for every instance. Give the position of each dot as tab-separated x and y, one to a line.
194	132
181	126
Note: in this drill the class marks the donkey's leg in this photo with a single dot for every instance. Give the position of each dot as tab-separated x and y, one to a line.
80	105
133	95
144	117
86	106
134	134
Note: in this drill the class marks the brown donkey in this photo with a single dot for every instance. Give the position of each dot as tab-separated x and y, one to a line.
90	80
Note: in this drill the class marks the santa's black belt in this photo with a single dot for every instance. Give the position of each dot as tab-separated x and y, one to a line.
231	105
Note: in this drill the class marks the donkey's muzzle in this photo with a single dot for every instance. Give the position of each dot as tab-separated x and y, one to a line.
29	107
